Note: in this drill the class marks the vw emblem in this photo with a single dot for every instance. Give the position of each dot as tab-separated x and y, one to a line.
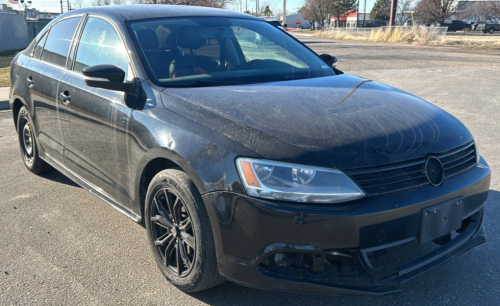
434	171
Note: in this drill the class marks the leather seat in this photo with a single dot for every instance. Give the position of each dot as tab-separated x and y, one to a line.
190	64
158	58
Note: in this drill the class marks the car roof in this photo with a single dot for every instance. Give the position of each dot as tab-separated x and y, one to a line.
150	11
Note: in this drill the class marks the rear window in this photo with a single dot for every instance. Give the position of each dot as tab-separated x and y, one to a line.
57	45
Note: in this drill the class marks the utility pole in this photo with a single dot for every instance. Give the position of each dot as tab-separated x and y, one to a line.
357	16
364	14
25	5
284	13
394	6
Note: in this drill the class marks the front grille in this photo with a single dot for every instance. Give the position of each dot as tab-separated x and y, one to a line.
411	174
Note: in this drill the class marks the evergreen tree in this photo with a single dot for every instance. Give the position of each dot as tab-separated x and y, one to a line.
381	10
267	11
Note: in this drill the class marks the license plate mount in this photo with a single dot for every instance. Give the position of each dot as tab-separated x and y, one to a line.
441	219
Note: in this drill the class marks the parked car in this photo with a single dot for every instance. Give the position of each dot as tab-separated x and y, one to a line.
457	25
275	22
375	23
488	27
260	164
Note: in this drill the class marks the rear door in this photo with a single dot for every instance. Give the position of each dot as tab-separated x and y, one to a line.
95	122
44	72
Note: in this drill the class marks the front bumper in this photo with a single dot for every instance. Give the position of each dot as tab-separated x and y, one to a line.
329	248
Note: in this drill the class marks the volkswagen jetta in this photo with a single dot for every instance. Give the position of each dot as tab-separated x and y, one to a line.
247	156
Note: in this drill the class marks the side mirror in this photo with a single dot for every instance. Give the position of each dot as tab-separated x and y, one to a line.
329	59
107	77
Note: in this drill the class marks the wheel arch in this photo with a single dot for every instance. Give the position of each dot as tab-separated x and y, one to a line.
156	160
16	107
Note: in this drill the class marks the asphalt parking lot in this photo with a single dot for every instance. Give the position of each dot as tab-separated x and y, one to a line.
59	245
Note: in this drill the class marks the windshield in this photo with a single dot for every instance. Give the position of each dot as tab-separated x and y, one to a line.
208	51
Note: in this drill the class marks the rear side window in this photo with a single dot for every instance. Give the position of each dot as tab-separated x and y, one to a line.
58	42
39	46
100	44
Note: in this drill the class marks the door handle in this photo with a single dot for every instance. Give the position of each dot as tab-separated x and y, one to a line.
66	98
29	81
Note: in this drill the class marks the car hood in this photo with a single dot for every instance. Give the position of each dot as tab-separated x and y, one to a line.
342	122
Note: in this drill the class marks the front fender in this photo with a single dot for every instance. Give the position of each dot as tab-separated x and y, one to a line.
207	157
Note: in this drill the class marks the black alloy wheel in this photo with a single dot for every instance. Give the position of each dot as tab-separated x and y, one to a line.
173	232
179	232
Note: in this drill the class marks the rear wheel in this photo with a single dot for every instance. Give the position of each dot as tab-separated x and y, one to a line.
491	31
179	232
27	144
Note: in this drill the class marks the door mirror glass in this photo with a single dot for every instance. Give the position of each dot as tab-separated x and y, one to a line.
106	77
329	59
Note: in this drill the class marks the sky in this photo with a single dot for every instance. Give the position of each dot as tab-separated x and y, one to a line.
292	5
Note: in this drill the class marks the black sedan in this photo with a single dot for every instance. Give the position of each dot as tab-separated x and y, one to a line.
245	155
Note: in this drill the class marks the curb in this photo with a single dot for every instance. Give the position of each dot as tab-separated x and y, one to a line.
4	98
4	105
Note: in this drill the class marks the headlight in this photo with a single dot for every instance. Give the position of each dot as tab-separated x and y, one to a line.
295	183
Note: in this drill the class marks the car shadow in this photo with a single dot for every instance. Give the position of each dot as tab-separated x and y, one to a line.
472	275
58	177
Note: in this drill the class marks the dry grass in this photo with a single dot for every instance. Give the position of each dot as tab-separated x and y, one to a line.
6	57
5	77
423	36
397	35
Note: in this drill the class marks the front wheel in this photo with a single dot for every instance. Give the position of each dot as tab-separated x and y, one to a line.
491	31
179	232
28	145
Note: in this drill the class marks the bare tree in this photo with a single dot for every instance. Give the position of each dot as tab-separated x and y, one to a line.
480	11
404	7
438	10
316	10
100	2
495	7
209	3
76	4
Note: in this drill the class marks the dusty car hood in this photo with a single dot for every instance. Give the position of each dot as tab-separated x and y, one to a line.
342	121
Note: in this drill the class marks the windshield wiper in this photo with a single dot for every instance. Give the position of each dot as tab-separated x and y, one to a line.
289	78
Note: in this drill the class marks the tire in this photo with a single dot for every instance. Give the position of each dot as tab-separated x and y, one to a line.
179	232
491	31
28	144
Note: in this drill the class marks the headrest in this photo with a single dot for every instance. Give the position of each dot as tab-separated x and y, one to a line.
147	39
190	38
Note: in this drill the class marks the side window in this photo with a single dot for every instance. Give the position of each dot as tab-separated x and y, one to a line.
58	42
100	44
39	46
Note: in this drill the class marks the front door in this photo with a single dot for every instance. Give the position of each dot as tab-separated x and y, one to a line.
95	124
